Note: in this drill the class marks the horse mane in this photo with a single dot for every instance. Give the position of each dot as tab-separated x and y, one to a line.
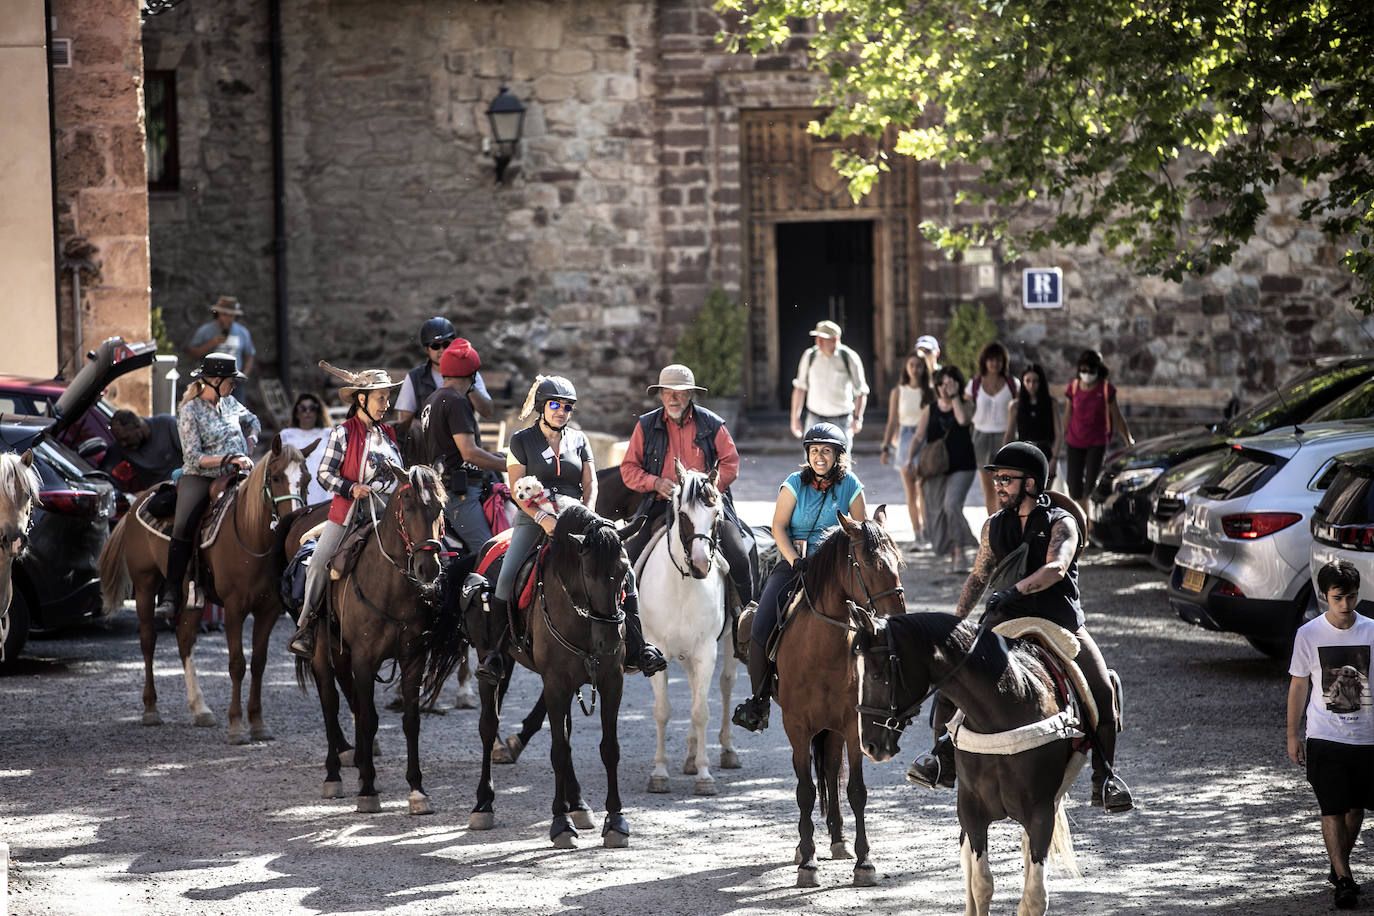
256	508
832	558
601	539
426	480
697	487
1021	674
19	483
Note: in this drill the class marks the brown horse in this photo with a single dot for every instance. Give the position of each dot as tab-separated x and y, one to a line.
18	491
818	687
385	607
237	567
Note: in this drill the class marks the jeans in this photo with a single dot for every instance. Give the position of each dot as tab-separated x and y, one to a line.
464	515
945	523
317	577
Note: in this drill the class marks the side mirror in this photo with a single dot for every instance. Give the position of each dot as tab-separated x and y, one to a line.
89	448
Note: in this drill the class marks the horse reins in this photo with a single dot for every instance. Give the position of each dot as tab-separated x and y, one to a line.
272	502
411	548
848	625
891	718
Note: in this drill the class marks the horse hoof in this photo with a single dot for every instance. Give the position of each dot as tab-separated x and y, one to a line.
616	831
705	787
806	876
729	760
332	790
205	720
841	850
263	734
565	839
865	875
582	819
346	758
151	717
481	820
236	738
419	803
689	768
658	784
369	804
614	839
510	752
465	700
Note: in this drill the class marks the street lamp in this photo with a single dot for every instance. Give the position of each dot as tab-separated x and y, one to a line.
507	117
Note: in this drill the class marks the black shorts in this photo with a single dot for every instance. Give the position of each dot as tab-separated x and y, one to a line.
1342	775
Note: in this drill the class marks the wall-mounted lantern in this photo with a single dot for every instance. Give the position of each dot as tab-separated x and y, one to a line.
507	117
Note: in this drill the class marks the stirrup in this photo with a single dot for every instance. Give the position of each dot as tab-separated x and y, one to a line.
752	715
492	668
1113	796
302	643
929	771
650	662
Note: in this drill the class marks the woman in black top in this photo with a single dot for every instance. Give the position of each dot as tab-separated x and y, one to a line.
1034	417
948	418
560	457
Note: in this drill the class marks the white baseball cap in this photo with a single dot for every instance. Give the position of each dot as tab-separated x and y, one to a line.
928	343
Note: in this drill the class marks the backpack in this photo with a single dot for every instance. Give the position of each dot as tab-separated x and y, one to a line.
844	352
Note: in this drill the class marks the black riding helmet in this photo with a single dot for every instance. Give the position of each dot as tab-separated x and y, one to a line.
554	388
1022	456
435	330
825	434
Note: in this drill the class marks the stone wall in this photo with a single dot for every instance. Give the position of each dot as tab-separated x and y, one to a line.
102	202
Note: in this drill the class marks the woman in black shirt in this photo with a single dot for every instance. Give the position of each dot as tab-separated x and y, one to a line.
1034	417
948	418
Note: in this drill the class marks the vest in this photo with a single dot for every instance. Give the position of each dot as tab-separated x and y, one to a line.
1058	603
653	427
422	382
355	434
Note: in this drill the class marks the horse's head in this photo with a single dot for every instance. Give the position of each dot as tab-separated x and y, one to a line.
590	563
697	507
417	505
19	485
873	581
880	729
286	475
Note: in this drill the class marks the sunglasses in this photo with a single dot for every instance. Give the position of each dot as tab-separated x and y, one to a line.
560	405
439	345
308	408
1005	480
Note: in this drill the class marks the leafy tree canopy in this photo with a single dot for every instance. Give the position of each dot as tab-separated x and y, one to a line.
1161	124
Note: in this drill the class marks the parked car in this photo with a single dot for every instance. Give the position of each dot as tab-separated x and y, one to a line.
1123	498
1343	523
56	580
1243	564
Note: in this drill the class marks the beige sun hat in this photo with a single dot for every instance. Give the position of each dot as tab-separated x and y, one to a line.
676	377
826	329
227	305
363	380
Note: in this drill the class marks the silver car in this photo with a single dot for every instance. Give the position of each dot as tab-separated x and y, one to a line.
1243	564
1343	524
1176	486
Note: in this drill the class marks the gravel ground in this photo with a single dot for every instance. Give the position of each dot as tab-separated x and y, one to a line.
106	816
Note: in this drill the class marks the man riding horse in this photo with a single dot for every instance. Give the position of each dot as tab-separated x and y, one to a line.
1046	587
684	430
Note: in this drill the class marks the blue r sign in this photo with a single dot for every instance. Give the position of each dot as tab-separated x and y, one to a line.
1042	288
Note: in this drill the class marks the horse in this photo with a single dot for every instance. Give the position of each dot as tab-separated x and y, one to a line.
238	567
682	592
385	607
19	485
614	500
999	687
573	636
817	689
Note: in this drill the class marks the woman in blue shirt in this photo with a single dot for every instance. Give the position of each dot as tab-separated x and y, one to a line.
803	516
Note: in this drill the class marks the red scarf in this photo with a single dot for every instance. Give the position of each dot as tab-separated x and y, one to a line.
355	442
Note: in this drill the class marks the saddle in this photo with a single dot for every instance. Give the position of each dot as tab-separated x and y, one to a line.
526	577
157	512
350	547
1057	648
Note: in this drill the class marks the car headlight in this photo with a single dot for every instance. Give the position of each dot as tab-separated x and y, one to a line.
1133	479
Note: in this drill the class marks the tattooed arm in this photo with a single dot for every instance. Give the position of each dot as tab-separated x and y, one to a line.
978	577
1058	556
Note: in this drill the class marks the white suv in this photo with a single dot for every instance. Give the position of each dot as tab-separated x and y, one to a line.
1343	523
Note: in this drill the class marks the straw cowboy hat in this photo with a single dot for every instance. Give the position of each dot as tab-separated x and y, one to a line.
227	305
826	329
365	380
676	377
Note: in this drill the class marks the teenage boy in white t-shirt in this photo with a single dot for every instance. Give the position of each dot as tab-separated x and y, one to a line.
1332	654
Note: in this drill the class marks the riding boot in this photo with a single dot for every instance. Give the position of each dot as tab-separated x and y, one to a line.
936	769
493	666
752	714
172	598
302	642
639	655
1111	794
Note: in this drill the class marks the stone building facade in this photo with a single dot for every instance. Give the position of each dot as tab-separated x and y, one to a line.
654	167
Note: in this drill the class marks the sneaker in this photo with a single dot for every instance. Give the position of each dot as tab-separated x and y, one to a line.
1347	893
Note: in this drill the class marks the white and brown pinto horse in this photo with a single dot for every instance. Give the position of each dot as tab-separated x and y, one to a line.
18	492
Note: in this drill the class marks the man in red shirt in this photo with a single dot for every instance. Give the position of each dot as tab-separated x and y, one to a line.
698	438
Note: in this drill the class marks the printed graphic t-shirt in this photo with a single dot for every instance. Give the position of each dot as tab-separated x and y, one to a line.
1337	661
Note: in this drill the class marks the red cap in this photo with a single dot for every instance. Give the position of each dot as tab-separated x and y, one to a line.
459	360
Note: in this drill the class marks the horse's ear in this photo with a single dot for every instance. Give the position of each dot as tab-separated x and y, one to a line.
880	515
26	459
679	470
850	526
276	445
581	539
305	452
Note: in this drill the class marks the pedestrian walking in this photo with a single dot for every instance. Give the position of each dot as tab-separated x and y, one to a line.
1034	417
905	402
1091	419
945	484
992	390
830	385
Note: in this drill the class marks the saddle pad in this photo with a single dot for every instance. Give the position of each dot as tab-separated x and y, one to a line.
530	578
1056	643
496	548
493	550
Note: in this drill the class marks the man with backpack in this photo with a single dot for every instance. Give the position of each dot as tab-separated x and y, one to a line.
830	385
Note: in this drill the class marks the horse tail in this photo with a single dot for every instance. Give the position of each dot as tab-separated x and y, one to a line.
114	572
447	644
304	674
818	765
1061	842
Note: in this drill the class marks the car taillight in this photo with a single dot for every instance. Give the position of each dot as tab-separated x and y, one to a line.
69	502
1257	524
1228	590
1351	537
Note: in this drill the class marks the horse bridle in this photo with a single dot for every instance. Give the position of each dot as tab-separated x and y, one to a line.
712	542
412	548
893	717
272	503
869	597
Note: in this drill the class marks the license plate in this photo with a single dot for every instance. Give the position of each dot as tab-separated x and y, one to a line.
1193	579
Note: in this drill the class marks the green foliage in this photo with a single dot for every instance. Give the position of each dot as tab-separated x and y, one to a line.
713	347
1159	126
158	328
970	330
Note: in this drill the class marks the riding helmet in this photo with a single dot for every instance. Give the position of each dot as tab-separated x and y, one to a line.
435	330
554	387
825	434
1022	456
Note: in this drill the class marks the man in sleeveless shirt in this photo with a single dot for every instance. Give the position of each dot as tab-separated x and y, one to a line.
1048	589
422	381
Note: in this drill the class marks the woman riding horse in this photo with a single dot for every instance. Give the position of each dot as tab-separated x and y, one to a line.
216	433
561	459
807	502
355	462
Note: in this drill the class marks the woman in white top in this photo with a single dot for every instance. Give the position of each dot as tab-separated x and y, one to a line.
309	423
904	405
992	390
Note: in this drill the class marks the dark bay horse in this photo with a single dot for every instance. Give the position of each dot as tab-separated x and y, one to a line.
384	608
858	565
575	637
238	567
999	686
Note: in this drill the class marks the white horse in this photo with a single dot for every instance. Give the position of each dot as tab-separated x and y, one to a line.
682	607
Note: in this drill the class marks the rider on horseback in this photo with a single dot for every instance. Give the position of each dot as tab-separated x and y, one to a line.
804	513
216	435
561	459
1048	589
698	438
355	460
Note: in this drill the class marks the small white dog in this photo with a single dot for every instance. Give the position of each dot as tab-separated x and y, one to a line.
528	491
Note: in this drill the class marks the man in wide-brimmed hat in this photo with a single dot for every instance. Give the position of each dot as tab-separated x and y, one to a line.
224	334
830	385
685	430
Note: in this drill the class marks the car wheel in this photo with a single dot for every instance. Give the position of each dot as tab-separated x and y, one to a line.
1281	649
18	633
